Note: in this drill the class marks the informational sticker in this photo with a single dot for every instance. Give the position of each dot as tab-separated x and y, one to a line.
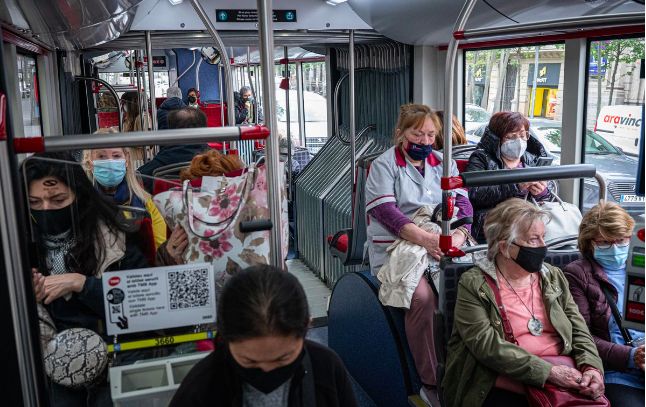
159	298
635	300
251	16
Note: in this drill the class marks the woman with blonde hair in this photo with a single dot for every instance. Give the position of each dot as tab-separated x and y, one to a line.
457	134
402	180
597	283
113	174
516	326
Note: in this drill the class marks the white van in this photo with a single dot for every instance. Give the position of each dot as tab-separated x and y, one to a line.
620	125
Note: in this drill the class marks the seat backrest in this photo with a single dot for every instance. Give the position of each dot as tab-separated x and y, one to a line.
163	185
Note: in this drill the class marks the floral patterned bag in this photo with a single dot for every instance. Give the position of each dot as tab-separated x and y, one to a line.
212	217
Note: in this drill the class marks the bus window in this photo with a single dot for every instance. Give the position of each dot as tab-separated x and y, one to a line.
613	119
502	79
315	101
28	88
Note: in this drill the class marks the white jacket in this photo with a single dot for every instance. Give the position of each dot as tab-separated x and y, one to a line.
405	264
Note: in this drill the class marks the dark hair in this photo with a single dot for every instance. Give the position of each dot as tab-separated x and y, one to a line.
91	209
191	90
186	118
261	301
502	123
131	98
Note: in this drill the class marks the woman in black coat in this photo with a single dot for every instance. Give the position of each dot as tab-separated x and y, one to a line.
505	144
263	358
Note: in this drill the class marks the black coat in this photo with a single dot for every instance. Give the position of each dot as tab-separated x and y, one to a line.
169	105
487	157
213	382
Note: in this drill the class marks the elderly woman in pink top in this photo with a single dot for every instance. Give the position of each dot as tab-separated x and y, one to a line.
515	323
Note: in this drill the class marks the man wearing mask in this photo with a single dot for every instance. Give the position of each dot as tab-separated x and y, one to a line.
506	144
191	99
244	105
173	102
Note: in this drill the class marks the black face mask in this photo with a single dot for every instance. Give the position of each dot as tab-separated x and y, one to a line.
530	258
267	382
53	221
192	99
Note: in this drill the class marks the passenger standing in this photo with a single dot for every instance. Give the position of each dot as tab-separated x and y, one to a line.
604	240
403	179
78	239
547	339
243	101
185	118
506	144
173	102
132	113
265	359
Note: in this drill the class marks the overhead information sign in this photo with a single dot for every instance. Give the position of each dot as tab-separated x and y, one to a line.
158	298
250	15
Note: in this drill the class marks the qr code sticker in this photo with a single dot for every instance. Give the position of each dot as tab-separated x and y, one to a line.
188	289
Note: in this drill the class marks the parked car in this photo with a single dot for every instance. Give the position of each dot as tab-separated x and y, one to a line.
617	168
474	117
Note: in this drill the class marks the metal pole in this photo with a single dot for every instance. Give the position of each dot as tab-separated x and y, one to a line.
220	93
16	286
151	82
301	107
352	112
289	125
144	94
132	70
141	117
451	56
533	105
223	56
112	91
274	179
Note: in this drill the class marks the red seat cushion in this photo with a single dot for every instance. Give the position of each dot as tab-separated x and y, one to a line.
162	185
341	243
462	165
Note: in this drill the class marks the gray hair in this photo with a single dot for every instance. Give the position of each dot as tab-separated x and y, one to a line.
508	221
174	92
244	90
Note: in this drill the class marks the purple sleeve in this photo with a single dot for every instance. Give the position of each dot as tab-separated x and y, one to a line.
390	217
464	209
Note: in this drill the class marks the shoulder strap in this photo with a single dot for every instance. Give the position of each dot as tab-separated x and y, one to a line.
506	325
615	313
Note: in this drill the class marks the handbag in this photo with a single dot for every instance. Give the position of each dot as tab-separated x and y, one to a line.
565	218
550	395
212	216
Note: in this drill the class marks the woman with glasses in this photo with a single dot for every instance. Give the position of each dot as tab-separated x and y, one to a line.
596	282
506	144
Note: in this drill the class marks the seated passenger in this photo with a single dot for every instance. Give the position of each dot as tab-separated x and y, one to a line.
114	176
185	118
132	113
264	359
457	132
402	180
483	367
604	240
78	239
173	102
192	98
506	144
211	163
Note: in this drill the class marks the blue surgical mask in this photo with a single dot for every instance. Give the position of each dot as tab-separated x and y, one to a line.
109	173
612	258
418	152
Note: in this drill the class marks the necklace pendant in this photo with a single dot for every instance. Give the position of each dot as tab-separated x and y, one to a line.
535	326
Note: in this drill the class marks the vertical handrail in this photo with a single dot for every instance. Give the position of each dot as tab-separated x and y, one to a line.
112	91
265	26
449	80
353	140
139	104
220	93
223	57
289	125
151	82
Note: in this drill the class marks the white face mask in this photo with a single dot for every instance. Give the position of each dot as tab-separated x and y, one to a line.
513	149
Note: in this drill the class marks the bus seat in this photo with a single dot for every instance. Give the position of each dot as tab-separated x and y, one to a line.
163	185
371	341
462	165
213	115
445	313
347	244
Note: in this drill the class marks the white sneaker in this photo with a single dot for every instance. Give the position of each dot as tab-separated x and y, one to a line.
428	397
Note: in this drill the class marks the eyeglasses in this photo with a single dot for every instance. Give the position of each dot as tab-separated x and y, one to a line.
606	244
523	135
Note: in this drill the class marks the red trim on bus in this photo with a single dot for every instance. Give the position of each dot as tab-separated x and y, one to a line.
534	39
29	145
451	183
254	132
23	43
